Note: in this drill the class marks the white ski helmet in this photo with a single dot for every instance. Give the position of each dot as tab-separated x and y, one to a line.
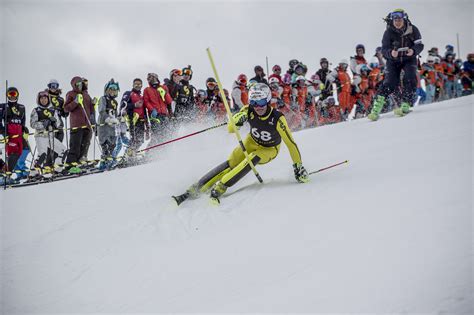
258	92
299	78
273	80
437	59
344	62
430	58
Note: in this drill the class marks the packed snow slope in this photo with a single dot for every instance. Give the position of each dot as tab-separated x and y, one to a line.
391	231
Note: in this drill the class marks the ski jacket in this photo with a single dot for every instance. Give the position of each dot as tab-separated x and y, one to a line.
77	116
157	98
274	75
184	98
375	78
268	130
40	120
259	79
240	95
409	36
108	108
355	61
138	111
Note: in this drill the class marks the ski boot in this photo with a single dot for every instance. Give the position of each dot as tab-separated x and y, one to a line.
218	190
192	192
74	170
376	108
403	110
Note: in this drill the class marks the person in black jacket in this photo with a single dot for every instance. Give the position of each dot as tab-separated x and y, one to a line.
185	107
322	73
401	44
259	75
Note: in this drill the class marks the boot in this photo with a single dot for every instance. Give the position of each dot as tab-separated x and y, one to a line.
403	109
218	190
377	108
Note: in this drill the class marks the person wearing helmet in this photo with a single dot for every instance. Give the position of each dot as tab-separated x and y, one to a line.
57	102
276	101
323	73
157	101
304	106
467	77
429	75
449	70
12	126
172	83
108	122
185	107
300	70
44	119
450	51
132	106
358	59
259	75
381	60
329	112
268	128
361	88
81	111
292	64
341	78
401	43
375	76
441	78
201	106
240	96
214	102
276	73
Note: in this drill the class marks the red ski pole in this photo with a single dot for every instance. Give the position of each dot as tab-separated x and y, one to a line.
181	138
328	167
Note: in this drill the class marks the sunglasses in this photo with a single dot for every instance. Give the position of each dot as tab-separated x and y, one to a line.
259	103
12	94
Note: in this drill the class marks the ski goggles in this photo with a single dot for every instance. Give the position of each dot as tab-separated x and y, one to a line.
78	84
259	103
187	72
275	69
243	81
12	94
211	85
397	15
53	86
177	72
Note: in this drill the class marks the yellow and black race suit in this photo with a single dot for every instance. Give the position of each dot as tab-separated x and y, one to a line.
262	145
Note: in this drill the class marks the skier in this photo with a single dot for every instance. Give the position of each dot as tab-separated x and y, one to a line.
268	128
57	102
82	121
108	110
45	119
157	101
132	108
185	106
12	125
401	44
322	73
239	94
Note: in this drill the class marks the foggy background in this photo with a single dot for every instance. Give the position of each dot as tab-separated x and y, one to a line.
41	40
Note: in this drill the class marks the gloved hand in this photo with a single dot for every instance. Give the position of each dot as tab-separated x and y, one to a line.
52	119
240	118
79	99
135	118
301	174
154	113
111	121
46	123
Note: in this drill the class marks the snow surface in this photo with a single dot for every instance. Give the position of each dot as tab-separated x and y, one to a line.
389	232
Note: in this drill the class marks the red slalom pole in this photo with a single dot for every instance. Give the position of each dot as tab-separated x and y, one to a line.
181	138
328	167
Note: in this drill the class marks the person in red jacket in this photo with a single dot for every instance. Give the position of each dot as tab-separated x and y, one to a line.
139	127
157	102
330	113
276	73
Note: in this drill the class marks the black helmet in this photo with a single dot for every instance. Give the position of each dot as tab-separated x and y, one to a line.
323	60
210	80
293	62
359	46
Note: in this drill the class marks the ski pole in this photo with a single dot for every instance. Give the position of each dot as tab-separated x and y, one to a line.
92	129
231	119
5	134
183	137
328	167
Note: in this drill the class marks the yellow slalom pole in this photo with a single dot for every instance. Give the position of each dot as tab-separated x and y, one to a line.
229	114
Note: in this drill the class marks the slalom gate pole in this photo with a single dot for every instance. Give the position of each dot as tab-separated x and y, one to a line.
268	71
231	119
180	138
328	167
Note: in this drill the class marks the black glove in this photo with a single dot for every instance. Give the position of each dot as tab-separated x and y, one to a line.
52	119
301	174
46	123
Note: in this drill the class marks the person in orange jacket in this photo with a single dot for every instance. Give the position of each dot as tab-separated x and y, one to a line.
438	66
375	76
344	88
329	113
450	72
428	73
292	116
363	98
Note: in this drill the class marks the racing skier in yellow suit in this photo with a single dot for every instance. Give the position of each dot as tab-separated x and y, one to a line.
268	127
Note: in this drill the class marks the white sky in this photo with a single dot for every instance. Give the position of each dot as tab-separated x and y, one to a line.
41	40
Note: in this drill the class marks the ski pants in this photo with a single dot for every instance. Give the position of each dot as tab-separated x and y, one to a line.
392	79
48	145
21	163
430	93
122	140
449	89
137	133
79	142
237	166
107	147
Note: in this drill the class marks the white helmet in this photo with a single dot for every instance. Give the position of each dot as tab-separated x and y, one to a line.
437	59
430	58
300	77
273	80
344	61
260	91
